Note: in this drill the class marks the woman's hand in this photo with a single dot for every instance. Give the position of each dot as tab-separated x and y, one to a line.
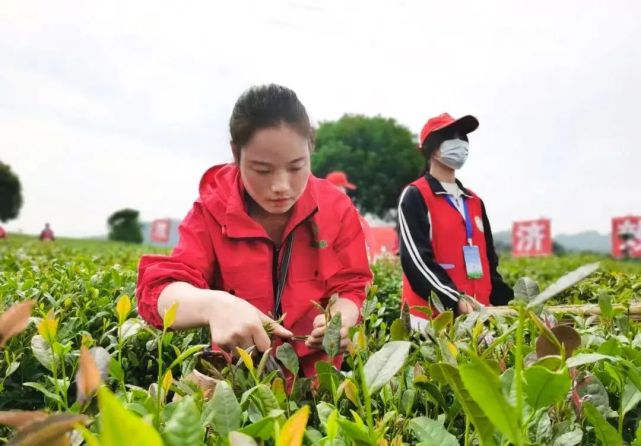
234	322
465	307
349	317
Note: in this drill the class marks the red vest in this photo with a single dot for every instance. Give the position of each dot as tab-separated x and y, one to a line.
448	237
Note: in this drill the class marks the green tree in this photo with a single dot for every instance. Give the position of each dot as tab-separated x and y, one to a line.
10	193
124	226
378	154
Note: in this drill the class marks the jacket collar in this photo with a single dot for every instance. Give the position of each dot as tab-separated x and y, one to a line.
437	187
239	224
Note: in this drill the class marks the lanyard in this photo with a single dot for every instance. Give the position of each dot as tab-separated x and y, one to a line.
466	217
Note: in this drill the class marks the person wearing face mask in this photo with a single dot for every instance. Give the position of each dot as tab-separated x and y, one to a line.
446	239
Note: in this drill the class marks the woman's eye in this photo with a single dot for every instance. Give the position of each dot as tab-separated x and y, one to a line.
262	172
295	169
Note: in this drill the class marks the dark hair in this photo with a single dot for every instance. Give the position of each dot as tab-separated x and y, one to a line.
265	106
434	141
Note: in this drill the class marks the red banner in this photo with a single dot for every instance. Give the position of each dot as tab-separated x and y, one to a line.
384	242
626	236
531	238
160	230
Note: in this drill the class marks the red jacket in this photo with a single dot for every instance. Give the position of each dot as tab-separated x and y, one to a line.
448	236
221	247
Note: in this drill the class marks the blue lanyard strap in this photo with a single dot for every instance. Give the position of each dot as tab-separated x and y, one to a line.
468	221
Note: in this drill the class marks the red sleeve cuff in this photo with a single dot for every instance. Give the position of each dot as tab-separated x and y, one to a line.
148	304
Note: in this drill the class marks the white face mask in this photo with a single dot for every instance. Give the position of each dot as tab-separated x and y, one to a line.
453	153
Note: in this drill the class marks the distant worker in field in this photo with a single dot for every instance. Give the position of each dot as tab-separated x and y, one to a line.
47	234
339	179
3	233
446	239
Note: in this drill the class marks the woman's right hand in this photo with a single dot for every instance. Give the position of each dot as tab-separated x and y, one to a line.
464	307
234	322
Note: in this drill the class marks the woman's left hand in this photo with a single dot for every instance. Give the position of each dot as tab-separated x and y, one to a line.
349	317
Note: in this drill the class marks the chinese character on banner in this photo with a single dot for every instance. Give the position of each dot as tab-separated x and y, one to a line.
160	231
531	238
626	236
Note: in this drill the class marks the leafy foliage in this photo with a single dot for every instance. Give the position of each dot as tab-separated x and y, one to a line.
471	380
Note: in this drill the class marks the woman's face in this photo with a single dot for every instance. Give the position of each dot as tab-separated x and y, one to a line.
448	136
275	166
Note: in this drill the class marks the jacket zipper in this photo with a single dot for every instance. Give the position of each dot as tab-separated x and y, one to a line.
275	264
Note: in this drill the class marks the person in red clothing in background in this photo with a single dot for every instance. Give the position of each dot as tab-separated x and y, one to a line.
446	239
3	233
339	179
47	234
265	239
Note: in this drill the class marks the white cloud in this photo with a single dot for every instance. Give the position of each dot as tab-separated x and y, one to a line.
114	104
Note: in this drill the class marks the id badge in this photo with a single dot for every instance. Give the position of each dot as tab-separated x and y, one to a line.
473	265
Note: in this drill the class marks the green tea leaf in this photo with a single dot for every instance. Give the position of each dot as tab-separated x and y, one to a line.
42	351
591	389
526	289
384	364
588	358
571	438
605	305
327	374
332	337
286	354
115	369
264	396
186	354
240	439
118	426
436	303
566	281
631	397
442	321
354	431
484	386
450	375
46	392
222	411
431	433
545	388
130	328
407	401
397	330
262	429
605	432
183	427
637	437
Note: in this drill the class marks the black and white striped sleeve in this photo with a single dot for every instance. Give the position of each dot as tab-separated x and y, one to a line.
502	293
417	255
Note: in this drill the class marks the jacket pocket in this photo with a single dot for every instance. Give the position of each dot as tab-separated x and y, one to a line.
251	283
319	265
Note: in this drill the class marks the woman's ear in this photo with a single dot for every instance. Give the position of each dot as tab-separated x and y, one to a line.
235	150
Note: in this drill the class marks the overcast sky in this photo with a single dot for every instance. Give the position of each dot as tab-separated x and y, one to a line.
105	105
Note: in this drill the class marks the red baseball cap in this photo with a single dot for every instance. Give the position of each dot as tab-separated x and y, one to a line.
339	179
465	125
